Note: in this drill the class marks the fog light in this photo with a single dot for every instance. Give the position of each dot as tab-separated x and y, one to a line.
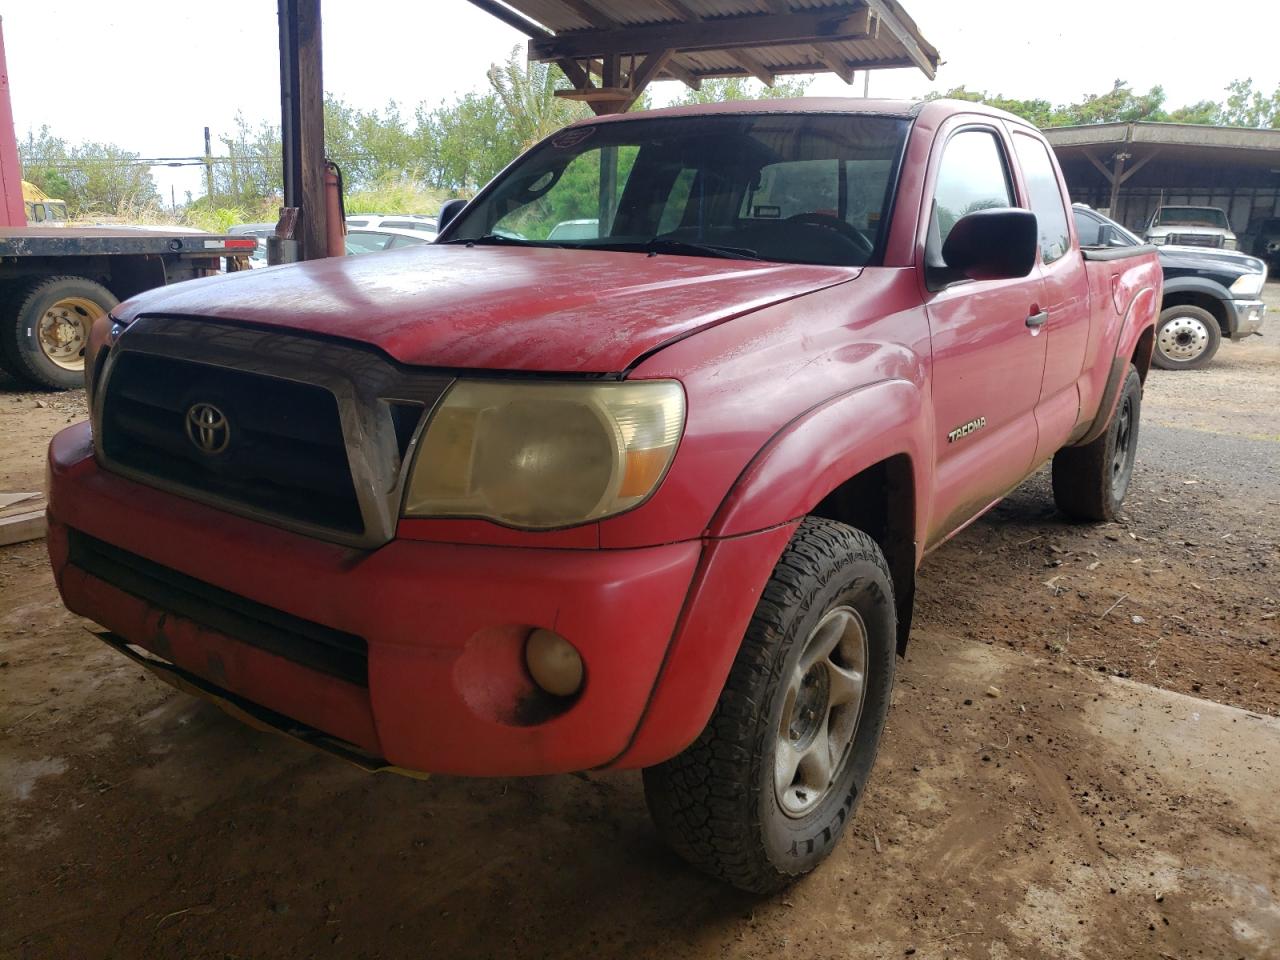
553	663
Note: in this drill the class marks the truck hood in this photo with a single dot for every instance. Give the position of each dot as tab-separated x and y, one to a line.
506	308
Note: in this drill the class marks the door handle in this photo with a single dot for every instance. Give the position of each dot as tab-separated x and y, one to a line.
1038	319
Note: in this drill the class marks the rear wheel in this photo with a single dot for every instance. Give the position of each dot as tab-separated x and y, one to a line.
46	329
765	792
1187	337
1090	482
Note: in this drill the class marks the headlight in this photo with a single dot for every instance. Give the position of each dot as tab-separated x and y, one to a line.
542	455
1230	243
1158	240
1248	284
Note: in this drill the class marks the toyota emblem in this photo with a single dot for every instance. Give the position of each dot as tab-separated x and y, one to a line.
208	428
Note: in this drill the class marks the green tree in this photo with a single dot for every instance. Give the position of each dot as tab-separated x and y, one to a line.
94	178
526	93
1039	112
1247	107
722	89
1205	111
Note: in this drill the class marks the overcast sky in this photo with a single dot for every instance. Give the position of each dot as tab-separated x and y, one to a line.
150	74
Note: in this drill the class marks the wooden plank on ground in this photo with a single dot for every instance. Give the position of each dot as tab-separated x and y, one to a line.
22	527
8	500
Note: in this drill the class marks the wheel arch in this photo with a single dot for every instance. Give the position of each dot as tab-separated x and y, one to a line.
880	500
1199	292
859	458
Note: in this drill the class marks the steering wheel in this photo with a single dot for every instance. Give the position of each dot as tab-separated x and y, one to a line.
845	229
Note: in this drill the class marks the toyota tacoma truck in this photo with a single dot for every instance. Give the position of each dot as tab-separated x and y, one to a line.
653	496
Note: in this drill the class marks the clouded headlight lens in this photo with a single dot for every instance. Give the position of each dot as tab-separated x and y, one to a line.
542	455
1249	284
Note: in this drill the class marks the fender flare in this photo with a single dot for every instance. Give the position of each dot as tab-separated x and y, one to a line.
1208	288
1196	285
1130	334
824	446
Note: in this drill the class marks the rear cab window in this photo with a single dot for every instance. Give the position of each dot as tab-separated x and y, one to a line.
1045	195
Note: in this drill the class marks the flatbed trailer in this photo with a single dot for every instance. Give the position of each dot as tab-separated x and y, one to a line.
55	281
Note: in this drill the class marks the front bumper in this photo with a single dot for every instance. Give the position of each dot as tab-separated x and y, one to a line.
1247	316
444	625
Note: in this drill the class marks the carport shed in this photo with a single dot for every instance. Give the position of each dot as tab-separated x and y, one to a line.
1129	169
611	49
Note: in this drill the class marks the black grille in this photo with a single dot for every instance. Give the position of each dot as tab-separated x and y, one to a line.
285	453
1195	240
313	645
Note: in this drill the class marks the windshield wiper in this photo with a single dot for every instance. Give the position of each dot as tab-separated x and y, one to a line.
498	239
697	249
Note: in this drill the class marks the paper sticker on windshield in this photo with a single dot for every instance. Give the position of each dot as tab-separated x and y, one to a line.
573	137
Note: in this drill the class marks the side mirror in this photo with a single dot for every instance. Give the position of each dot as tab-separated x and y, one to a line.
448	211
995	244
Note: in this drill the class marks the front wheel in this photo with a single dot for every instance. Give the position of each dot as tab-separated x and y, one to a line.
1089	482
765	792
1187	337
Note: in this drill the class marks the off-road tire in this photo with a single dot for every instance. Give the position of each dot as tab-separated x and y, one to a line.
1208	322
20	352
1090	482
716	803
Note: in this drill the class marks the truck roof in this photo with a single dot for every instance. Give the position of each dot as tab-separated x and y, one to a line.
938	109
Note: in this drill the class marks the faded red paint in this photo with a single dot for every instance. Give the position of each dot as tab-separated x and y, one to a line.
797	378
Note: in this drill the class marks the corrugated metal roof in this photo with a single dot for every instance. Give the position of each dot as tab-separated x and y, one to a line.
895	41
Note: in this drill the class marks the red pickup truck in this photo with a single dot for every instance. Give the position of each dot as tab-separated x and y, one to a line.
648	493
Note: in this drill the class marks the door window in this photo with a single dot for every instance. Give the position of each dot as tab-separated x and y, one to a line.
973	176
1045	195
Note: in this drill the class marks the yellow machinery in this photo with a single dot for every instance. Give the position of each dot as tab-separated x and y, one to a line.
42	208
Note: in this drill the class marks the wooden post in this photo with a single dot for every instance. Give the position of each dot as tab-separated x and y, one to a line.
208	166
1117	178
302	122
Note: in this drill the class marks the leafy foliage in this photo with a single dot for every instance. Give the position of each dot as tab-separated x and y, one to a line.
398	162
92	177
1243	107
743	88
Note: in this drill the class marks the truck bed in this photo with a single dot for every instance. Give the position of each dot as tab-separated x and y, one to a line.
115	241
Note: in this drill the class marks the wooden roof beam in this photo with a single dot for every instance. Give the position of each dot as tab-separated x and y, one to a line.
900	32
583	9
725	33
753	66
681	11
830	56
683	74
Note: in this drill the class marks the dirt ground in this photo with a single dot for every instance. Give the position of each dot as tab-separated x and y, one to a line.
1080	762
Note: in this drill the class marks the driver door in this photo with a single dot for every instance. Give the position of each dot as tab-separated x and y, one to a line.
988	354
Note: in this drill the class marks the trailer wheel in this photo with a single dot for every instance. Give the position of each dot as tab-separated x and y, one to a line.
46	329
765	792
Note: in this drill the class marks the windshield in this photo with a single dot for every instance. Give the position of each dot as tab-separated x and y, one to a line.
797	188
1192	217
